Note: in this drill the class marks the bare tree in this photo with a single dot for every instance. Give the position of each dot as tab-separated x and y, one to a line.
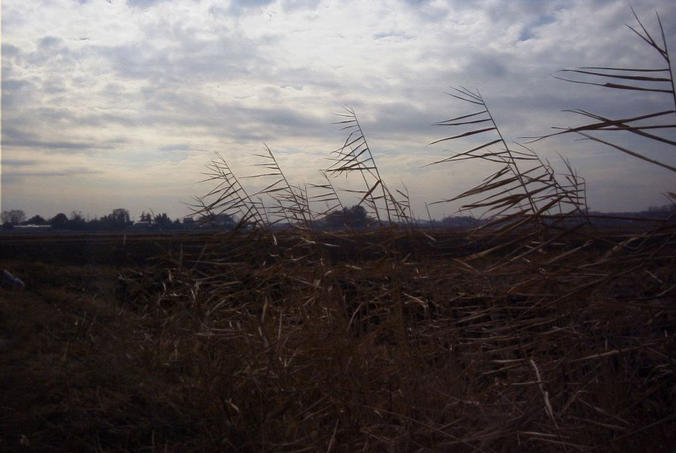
14	216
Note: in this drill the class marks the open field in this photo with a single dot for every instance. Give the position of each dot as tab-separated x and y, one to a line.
389	340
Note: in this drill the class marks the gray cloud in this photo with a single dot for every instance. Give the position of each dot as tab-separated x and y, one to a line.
296	5
191	59
20	162
487	66
180	147
528	31
143	3
74	171
428	11
25	177
18	138
238	7
391	34
50	146
49	42
9	50
14	85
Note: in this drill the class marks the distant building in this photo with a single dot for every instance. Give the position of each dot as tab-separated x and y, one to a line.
141	225
32	227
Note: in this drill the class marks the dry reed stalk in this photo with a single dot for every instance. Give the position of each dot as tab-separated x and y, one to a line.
355	156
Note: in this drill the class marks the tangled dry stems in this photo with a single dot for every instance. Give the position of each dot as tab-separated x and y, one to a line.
395	346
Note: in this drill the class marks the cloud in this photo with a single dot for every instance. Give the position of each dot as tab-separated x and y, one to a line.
299	5
143	3
49	42
56	173
238	7
28	177
13	85
487	65
17	138
9	50
19	162
392	34
529	30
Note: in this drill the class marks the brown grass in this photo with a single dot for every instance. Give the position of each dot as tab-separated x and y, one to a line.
390	342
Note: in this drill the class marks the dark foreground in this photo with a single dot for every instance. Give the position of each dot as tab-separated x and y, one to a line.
387	341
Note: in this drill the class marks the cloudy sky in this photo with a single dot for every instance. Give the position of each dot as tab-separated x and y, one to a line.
114	103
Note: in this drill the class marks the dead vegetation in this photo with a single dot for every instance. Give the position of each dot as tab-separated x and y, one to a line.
534	332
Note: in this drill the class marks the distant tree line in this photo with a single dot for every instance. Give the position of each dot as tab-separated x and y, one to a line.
353	217
118	220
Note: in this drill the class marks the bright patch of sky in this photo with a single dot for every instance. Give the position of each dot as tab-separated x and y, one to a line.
111	103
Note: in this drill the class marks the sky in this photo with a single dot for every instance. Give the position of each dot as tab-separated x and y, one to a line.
114	103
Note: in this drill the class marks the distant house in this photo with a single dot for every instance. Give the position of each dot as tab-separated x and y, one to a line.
32	227
141	225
